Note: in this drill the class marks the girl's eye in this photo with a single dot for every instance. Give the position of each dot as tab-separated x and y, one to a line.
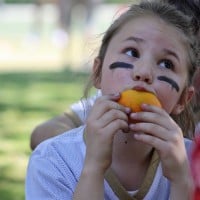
167	64
132	53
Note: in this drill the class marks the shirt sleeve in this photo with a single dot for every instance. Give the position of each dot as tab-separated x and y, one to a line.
47	178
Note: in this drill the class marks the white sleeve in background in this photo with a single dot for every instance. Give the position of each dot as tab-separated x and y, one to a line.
82	107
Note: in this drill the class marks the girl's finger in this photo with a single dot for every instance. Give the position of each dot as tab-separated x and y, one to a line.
112	115
104	104
151	129
155	115
155	142
114	127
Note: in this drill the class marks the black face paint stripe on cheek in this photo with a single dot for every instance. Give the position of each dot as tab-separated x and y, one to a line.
121	65
170	81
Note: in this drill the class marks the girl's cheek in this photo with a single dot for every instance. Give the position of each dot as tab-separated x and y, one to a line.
167	103
125	78
118	82
120	74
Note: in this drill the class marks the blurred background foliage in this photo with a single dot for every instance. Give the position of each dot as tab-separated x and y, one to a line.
26	100
32	1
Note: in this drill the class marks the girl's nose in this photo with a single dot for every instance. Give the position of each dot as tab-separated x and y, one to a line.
142	74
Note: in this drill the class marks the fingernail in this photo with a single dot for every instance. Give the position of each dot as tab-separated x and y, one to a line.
127	110
116	94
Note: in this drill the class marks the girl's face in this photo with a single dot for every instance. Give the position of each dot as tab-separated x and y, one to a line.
147	54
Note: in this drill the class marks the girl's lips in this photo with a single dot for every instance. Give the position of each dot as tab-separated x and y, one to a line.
141	88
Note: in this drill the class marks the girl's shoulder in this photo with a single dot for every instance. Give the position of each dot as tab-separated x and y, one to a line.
67	143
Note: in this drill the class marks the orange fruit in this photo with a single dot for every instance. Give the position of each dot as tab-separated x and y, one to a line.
133	99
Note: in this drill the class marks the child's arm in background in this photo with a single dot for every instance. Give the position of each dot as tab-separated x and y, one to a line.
53	127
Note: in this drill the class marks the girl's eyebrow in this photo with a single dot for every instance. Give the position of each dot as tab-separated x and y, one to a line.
120	65
172	53
170	81
136	39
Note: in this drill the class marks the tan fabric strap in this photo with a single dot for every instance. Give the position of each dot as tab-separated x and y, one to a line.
120	191
74	117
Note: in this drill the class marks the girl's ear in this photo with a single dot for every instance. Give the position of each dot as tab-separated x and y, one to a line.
96	73
185	98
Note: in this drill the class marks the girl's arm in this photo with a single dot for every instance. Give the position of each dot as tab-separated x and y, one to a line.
182	189
160	131
90	185
105	119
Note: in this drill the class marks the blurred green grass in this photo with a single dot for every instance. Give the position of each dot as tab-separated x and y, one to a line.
27	99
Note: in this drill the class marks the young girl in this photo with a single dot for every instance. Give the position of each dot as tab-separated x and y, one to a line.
150	47
75	116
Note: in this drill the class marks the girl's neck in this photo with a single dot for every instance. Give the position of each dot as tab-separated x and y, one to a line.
127	149
130	160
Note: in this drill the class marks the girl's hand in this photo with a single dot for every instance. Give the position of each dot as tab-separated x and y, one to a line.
106	118
161	132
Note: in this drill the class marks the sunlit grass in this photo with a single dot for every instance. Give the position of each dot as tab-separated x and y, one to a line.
27	99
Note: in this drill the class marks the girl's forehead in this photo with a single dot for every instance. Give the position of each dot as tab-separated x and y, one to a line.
151	28
148	23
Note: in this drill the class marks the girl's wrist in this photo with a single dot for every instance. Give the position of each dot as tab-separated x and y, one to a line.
93	173
182	189
97	169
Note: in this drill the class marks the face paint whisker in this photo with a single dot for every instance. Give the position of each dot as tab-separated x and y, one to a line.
170	81
121	65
